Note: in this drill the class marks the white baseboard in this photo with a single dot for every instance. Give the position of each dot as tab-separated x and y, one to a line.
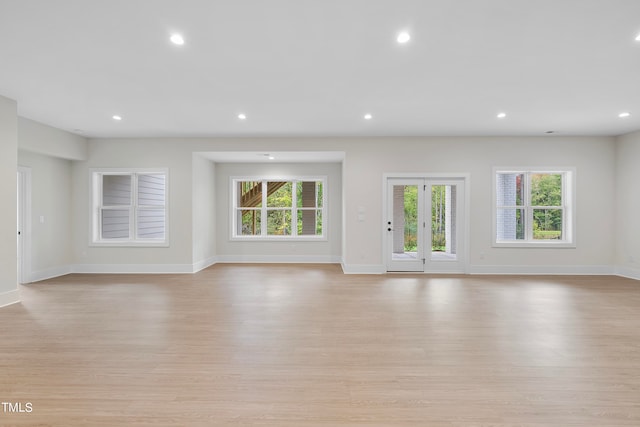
201	265
49	273
579	270
363	269
280	259
587	270
133	268
631	273
8	298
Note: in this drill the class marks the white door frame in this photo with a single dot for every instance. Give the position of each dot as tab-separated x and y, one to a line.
464	225
24	224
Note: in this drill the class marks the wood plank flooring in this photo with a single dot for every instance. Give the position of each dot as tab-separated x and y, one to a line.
306	346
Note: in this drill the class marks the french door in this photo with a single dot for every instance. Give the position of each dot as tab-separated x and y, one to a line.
425	225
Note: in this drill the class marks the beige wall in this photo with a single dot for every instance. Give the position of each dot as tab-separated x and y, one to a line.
328	250
9	194
52	142
199	198
51	214
593	158
204	211
178	256
628	205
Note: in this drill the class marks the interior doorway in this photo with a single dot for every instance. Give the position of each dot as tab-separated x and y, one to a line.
425	224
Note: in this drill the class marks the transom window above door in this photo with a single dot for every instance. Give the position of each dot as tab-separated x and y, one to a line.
274	209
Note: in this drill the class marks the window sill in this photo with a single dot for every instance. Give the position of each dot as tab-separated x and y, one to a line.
278	239
541	244
129	244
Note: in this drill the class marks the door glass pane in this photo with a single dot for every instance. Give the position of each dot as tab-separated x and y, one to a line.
443	222
405	222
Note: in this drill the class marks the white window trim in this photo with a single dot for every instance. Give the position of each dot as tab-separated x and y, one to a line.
95	202
569	209
233	192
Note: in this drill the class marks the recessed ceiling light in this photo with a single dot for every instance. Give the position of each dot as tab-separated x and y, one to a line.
117	118
638	38
501	115
403	37
177	39
368	116
624	114
242	116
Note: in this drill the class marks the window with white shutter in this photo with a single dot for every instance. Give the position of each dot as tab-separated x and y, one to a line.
130	207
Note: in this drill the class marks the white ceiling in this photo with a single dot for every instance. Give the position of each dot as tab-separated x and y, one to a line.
314	68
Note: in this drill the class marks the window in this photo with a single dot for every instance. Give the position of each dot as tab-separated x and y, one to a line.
533	208
278	209
130	208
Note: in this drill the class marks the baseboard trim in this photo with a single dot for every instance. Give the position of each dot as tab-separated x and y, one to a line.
279	259
363	269
49	273
9	298
133	268
628	272
205	263
577	270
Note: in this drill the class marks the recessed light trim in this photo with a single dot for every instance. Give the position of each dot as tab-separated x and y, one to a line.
242	116
368	117
624	114
116	117
501	115
403	37
177	39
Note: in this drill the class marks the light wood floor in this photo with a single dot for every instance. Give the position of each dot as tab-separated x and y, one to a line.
305	345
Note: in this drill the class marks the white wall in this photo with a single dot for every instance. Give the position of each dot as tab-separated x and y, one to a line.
628	205
51	252
132	153
366	161
47	140
594	159
8	193
291	251
204	212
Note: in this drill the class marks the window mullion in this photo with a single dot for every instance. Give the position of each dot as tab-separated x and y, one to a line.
133	232
294	208
528	208
263	214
